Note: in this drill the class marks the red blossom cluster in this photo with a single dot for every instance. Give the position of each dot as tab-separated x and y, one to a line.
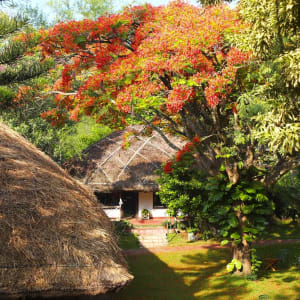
168	167
189	147
146	56
24	93
66	76
178	96
55	117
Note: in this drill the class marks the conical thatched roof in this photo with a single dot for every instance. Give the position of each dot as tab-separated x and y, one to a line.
55	239
106	166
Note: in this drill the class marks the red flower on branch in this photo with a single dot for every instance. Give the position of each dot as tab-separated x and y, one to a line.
168	167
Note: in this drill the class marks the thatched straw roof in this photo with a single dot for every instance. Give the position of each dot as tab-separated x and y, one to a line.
106	166
55	239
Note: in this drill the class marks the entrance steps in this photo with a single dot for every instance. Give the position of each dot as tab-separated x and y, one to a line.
151	237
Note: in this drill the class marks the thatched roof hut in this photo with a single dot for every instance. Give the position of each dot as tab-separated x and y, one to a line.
55	239
106	166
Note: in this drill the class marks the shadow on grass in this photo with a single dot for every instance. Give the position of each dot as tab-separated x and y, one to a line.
153	278
201	274
176	276
282	229
212	282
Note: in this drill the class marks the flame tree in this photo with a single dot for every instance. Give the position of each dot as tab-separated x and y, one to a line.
176	69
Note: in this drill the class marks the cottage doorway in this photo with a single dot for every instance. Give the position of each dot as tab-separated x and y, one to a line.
130	204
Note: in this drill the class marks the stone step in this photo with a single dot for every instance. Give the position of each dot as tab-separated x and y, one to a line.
151	237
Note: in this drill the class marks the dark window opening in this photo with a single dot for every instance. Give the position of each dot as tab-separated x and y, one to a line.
130	204
108	200
156	202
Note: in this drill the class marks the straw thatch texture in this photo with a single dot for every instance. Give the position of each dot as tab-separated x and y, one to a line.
55	239
107	167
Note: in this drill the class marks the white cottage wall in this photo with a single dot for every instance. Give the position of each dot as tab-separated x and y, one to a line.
146	201
113	213
159	213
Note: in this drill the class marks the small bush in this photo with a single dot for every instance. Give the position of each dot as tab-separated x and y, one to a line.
122	227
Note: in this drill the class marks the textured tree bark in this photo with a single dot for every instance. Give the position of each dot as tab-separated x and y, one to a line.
242	253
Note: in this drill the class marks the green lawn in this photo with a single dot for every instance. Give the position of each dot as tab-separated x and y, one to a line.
201	275
128	241
279	229
285	229
181	240
282	229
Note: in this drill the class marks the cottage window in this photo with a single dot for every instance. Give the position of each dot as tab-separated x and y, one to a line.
108	200
156	202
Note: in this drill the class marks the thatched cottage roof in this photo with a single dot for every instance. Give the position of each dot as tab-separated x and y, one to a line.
55	239
107	167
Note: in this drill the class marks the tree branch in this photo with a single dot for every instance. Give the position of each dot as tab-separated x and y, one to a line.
173	124
282	167
173	146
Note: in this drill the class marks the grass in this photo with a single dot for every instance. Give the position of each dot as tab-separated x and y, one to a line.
283	229
280	229
201	274
181	240
128	241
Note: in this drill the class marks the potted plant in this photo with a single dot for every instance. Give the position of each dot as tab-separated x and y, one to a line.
192	234
145	214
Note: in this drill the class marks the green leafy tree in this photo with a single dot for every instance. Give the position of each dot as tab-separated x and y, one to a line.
178	70
16	40
36	16
286	195
212	2
61	144
23	78
77	9
235	213
75	138
92	9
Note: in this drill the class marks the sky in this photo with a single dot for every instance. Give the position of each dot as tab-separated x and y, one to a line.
117	4
120	3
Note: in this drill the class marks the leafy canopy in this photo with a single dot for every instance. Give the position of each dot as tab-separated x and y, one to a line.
141	68
176	69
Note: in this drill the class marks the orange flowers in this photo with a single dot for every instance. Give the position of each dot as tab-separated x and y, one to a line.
178	96
145	57
189	147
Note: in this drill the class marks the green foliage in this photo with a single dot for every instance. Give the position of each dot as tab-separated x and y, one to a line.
79	9
6	97
145	213
255	262
22	110
16	39
232	212
234	265
10	25
286	194
25	69
182	190
212	2
78	136
59	143
270	107
35	15
62	8
93	9
274	26
122	227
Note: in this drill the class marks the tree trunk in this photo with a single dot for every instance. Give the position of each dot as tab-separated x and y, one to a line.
242	253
